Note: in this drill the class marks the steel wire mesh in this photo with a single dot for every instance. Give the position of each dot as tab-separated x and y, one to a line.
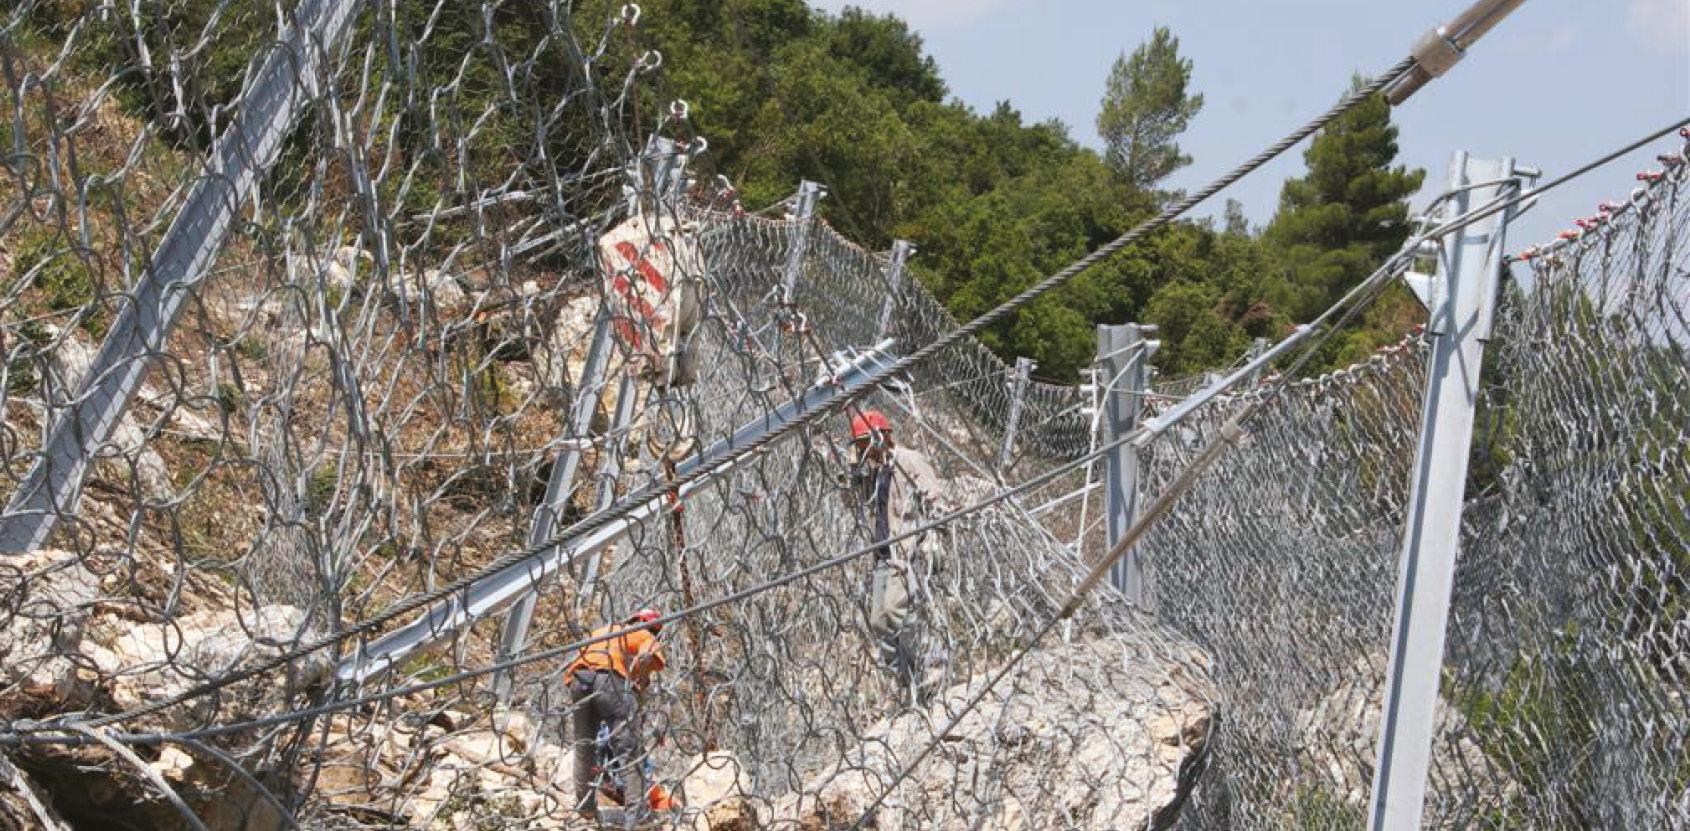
1565	668
363	400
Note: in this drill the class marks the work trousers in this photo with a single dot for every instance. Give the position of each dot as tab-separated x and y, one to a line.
892	620
605	698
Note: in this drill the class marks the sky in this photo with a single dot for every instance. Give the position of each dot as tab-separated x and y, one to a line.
1558	83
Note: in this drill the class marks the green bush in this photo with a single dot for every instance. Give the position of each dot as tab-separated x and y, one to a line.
319	492
63	279
21	375
1317	809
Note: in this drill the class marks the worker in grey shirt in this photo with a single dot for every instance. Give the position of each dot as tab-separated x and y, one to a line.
894	485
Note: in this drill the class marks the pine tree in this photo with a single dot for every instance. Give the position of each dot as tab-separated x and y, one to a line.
1145	109
1235	223
1336	224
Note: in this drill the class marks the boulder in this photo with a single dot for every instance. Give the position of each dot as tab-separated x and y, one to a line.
342	267
148	662
716	793
562	353
443	289
50	595
1085	735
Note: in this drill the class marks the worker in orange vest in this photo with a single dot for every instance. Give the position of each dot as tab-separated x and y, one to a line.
604	683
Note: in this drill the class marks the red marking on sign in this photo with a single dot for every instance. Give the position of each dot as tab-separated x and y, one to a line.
652	276
626	331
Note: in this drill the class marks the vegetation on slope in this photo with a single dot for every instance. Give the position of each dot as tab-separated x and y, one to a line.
785	92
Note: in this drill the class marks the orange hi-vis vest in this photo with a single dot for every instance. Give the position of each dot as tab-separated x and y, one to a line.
634	656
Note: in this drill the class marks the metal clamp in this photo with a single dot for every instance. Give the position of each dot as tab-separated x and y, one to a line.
1444	46
1435	53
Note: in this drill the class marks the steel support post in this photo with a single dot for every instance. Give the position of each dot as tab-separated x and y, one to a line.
588	390
281	89
1018	380
1123	357
803	211
1460	301
1258	348
627	395
901	251
655	177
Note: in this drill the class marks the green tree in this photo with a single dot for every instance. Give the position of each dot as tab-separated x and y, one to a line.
1235	222
1146	107
1338	222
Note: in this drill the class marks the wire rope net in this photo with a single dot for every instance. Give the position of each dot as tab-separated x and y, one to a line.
1561	704
373	379
457	300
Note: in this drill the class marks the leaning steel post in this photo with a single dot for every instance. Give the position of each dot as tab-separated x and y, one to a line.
281	89
1124	359
589	389
803	211
1460	300
656	176
1018	381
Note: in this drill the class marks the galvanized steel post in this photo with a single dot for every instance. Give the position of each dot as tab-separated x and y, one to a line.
1123	356
1460	301
281	89
588	390
803	211
655	181
627	393
901	251
1258	348
1018	380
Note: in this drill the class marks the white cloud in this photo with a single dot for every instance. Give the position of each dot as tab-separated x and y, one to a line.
1664	24
926	13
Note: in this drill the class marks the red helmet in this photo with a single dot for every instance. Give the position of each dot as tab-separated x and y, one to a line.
646	616
867	421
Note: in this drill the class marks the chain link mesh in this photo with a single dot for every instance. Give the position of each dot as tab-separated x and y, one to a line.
1281	564
1565	671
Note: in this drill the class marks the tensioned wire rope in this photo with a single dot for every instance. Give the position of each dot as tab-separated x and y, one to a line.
1342	312
875	380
